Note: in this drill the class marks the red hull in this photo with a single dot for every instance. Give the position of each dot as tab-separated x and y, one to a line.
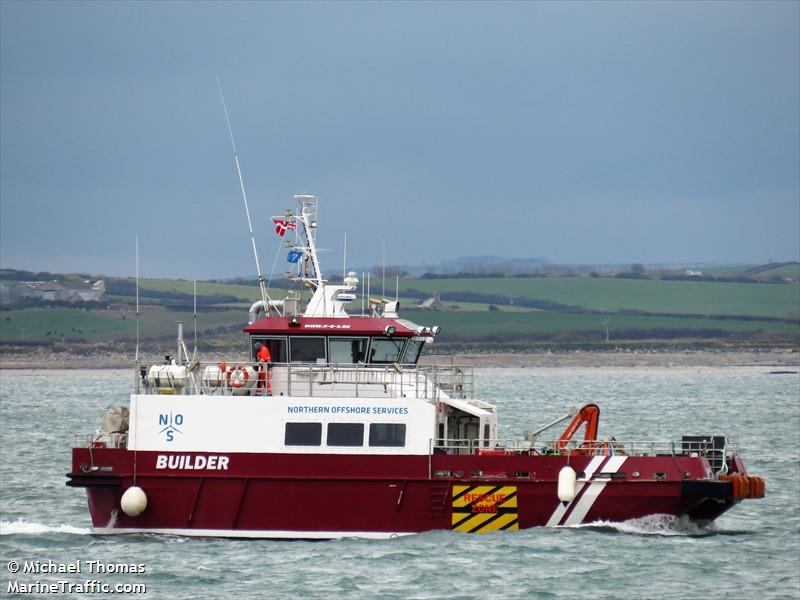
296	495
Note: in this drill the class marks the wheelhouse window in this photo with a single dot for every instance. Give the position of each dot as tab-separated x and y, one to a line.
303	434
347	350
275	345
387	435
385	351
411	353
307	348
345	434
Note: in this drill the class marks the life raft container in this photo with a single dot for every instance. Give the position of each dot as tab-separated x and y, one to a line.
215	376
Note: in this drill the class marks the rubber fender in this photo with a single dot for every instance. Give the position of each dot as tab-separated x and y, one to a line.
746	487
757	487
737	484
740	482
566	484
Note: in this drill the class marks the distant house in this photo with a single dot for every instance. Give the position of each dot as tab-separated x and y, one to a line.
55	291
94	293
432	303
690	273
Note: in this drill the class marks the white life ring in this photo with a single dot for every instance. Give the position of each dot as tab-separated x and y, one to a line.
237	376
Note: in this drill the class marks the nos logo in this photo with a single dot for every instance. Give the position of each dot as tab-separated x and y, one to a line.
170	423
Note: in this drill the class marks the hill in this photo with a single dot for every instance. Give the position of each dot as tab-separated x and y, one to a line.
500	311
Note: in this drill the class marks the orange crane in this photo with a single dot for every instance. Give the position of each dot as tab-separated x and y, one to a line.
588	415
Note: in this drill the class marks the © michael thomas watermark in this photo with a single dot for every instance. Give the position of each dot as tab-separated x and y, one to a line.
18	584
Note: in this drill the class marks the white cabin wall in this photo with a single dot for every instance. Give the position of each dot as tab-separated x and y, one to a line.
202	423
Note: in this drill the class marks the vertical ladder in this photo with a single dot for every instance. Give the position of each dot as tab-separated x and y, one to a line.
439	494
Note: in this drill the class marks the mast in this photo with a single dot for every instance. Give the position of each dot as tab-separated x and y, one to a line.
305	241
326	300
308	217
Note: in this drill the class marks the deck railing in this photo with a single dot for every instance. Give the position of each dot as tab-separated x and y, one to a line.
309	379
716	454
100	440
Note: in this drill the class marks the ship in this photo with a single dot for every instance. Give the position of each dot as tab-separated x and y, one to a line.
341	432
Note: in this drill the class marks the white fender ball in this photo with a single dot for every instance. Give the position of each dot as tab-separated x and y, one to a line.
133	501
566	484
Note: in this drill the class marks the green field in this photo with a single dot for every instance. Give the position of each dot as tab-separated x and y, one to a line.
34	325
788	271
472	306
246	293
55	324
463	325
611	294
762	272
472	325
597	302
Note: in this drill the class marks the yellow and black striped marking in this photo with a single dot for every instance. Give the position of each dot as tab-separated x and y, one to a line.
483	508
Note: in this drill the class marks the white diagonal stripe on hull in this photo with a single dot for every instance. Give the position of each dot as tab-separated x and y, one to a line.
588	499
561	509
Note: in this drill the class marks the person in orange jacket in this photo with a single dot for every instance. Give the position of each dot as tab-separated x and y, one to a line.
264	359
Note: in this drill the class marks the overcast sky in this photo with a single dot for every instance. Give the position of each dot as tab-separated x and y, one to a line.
578	132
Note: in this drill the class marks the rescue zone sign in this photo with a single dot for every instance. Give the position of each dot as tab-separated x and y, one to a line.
484	508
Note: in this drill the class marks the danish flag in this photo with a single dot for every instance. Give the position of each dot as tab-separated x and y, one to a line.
281	225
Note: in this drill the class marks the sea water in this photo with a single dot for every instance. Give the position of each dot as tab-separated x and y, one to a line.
753	551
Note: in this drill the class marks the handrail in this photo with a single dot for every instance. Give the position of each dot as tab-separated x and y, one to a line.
324	380
596	447
101	440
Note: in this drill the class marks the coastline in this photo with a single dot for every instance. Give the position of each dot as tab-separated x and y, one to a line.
778	359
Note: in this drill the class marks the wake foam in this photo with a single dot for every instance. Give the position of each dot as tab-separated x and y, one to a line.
21	527
666	525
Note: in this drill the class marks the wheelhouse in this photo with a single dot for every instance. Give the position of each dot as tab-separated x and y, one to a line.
355	341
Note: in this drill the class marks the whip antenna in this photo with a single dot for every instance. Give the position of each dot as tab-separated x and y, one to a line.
264	296
136	358
194	354
383	265
138	375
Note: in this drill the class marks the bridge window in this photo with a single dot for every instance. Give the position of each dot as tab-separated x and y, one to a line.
411	353
347	350
385	351
387	434
307	348
345	434
303	434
